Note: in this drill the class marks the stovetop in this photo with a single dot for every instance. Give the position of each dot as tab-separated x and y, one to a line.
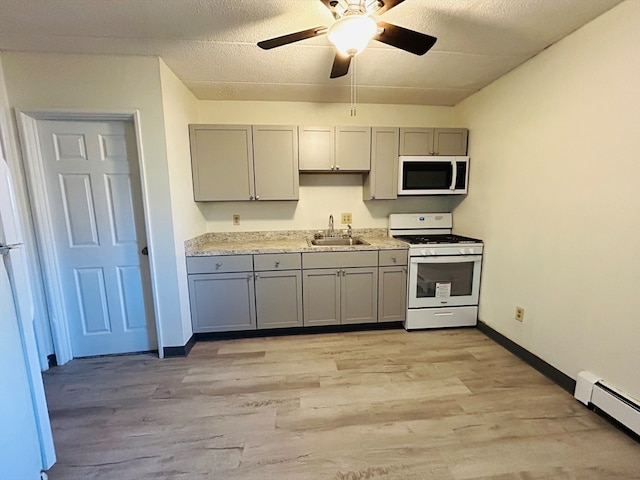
442	238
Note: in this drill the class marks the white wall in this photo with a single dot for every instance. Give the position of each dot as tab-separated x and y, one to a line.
112	84
180	108
555	194
12	156
320	194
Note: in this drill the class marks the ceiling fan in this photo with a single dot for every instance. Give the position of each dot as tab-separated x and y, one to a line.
354	28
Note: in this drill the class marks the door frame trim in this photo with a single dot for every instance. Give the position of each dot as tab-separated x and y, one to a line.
27	121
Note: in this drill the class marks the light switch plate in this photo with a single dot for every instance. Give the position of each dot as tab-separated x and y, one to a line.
346	218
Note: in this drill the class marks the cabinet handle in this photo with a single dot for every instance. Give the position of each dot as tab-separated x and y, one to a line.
277	264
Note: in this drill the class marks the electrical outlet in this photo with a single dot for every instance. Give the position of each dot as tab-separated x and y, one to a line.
519	314
236	219
346	218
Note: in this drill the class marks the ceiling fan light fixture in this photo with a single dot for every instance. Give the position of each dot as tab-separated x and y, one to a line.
352	33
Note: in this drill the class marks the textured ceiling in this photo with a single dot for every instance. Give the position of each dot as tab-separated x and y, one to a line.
211	44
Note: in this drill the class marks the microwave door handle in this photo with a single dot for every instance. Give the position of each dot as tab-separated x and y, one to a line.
454	175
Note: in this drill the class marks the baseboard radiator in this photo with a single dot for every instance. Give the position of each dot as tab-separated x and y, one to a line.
593	391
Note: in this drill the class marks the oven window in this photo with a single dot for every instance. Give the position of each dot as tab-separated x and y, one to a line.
444	279
426	175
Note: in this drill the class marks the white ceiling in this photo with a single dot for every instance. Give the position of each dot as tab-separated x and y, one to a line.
211	44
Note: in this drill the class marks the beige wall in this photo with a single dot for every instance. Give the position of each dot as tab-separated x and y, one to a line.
555	194
180	108
113	84
320	194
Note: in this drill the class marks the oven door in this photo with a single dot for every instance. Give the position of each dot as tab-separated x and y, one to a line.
444	281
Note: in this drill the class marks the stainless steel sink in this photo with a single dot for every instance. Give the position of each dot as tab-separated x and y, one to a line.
335	242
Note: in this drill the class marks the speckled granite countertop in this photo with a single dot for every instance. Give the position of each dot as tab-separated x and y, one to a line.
286	241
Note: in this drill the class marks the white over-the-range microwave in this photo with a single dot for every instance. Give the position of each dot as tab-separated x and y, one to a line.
422	175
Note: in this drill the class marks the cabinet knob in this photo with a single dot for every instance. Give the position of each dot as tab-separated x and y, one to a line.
277	264
218	265
256	275
394	260
250	197
373	197
432	153
337	167
257	197
332	167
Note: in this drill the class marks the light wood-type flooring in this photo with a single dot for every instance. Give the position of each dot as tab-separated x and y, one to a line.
379	405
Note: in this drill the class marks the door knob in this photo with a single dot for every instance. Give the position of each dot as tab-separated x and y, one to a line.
144	251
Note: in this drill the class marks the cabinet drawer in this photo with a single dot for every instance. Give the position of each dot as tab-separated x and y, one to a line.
340	259
277	261
392	257
220	264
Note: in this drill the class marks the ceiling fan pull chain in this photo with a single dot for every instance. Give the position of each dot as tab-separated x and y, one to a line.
353	86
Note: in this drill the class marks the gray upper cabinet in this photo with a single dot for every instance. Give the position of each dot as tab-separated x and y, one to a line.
353	149
382	181
222	162
433	141
241	162
317	152
335	149
275	158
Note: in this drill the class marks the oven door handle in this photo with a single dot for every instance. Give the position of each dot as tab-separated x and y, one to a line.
443	314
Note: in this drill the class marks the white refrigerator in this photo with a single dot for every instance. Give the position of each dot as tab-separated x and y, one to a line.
26	442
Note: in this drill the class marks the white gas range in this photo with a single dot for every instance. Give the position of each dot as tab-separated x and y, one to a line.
444	271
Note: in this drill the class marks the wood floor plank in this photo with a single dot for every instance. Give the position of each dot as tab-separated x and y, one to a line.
380	405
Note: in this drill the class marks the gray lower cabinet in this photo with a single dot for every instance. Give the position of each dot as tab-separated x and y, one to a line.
321	291
278	284
392	286
340	288
222	302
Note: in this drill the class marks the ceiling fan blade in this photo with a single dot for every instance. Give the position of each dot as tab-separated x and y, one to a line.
405	39
291	38
387	5
340	65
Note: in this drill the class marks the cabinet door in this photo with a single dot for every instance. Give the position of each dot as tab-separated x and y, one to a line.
450	141
316	148
222	302
275	158
321	291
392	294
359	294
222	162
279	299
353	149
416	141
382	181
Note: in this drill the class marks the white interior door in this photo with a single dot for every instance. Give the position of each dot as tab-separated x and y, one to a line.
95	202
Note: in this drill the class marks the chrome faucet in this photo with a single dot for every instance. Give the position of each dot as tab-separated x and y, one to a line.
331	230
